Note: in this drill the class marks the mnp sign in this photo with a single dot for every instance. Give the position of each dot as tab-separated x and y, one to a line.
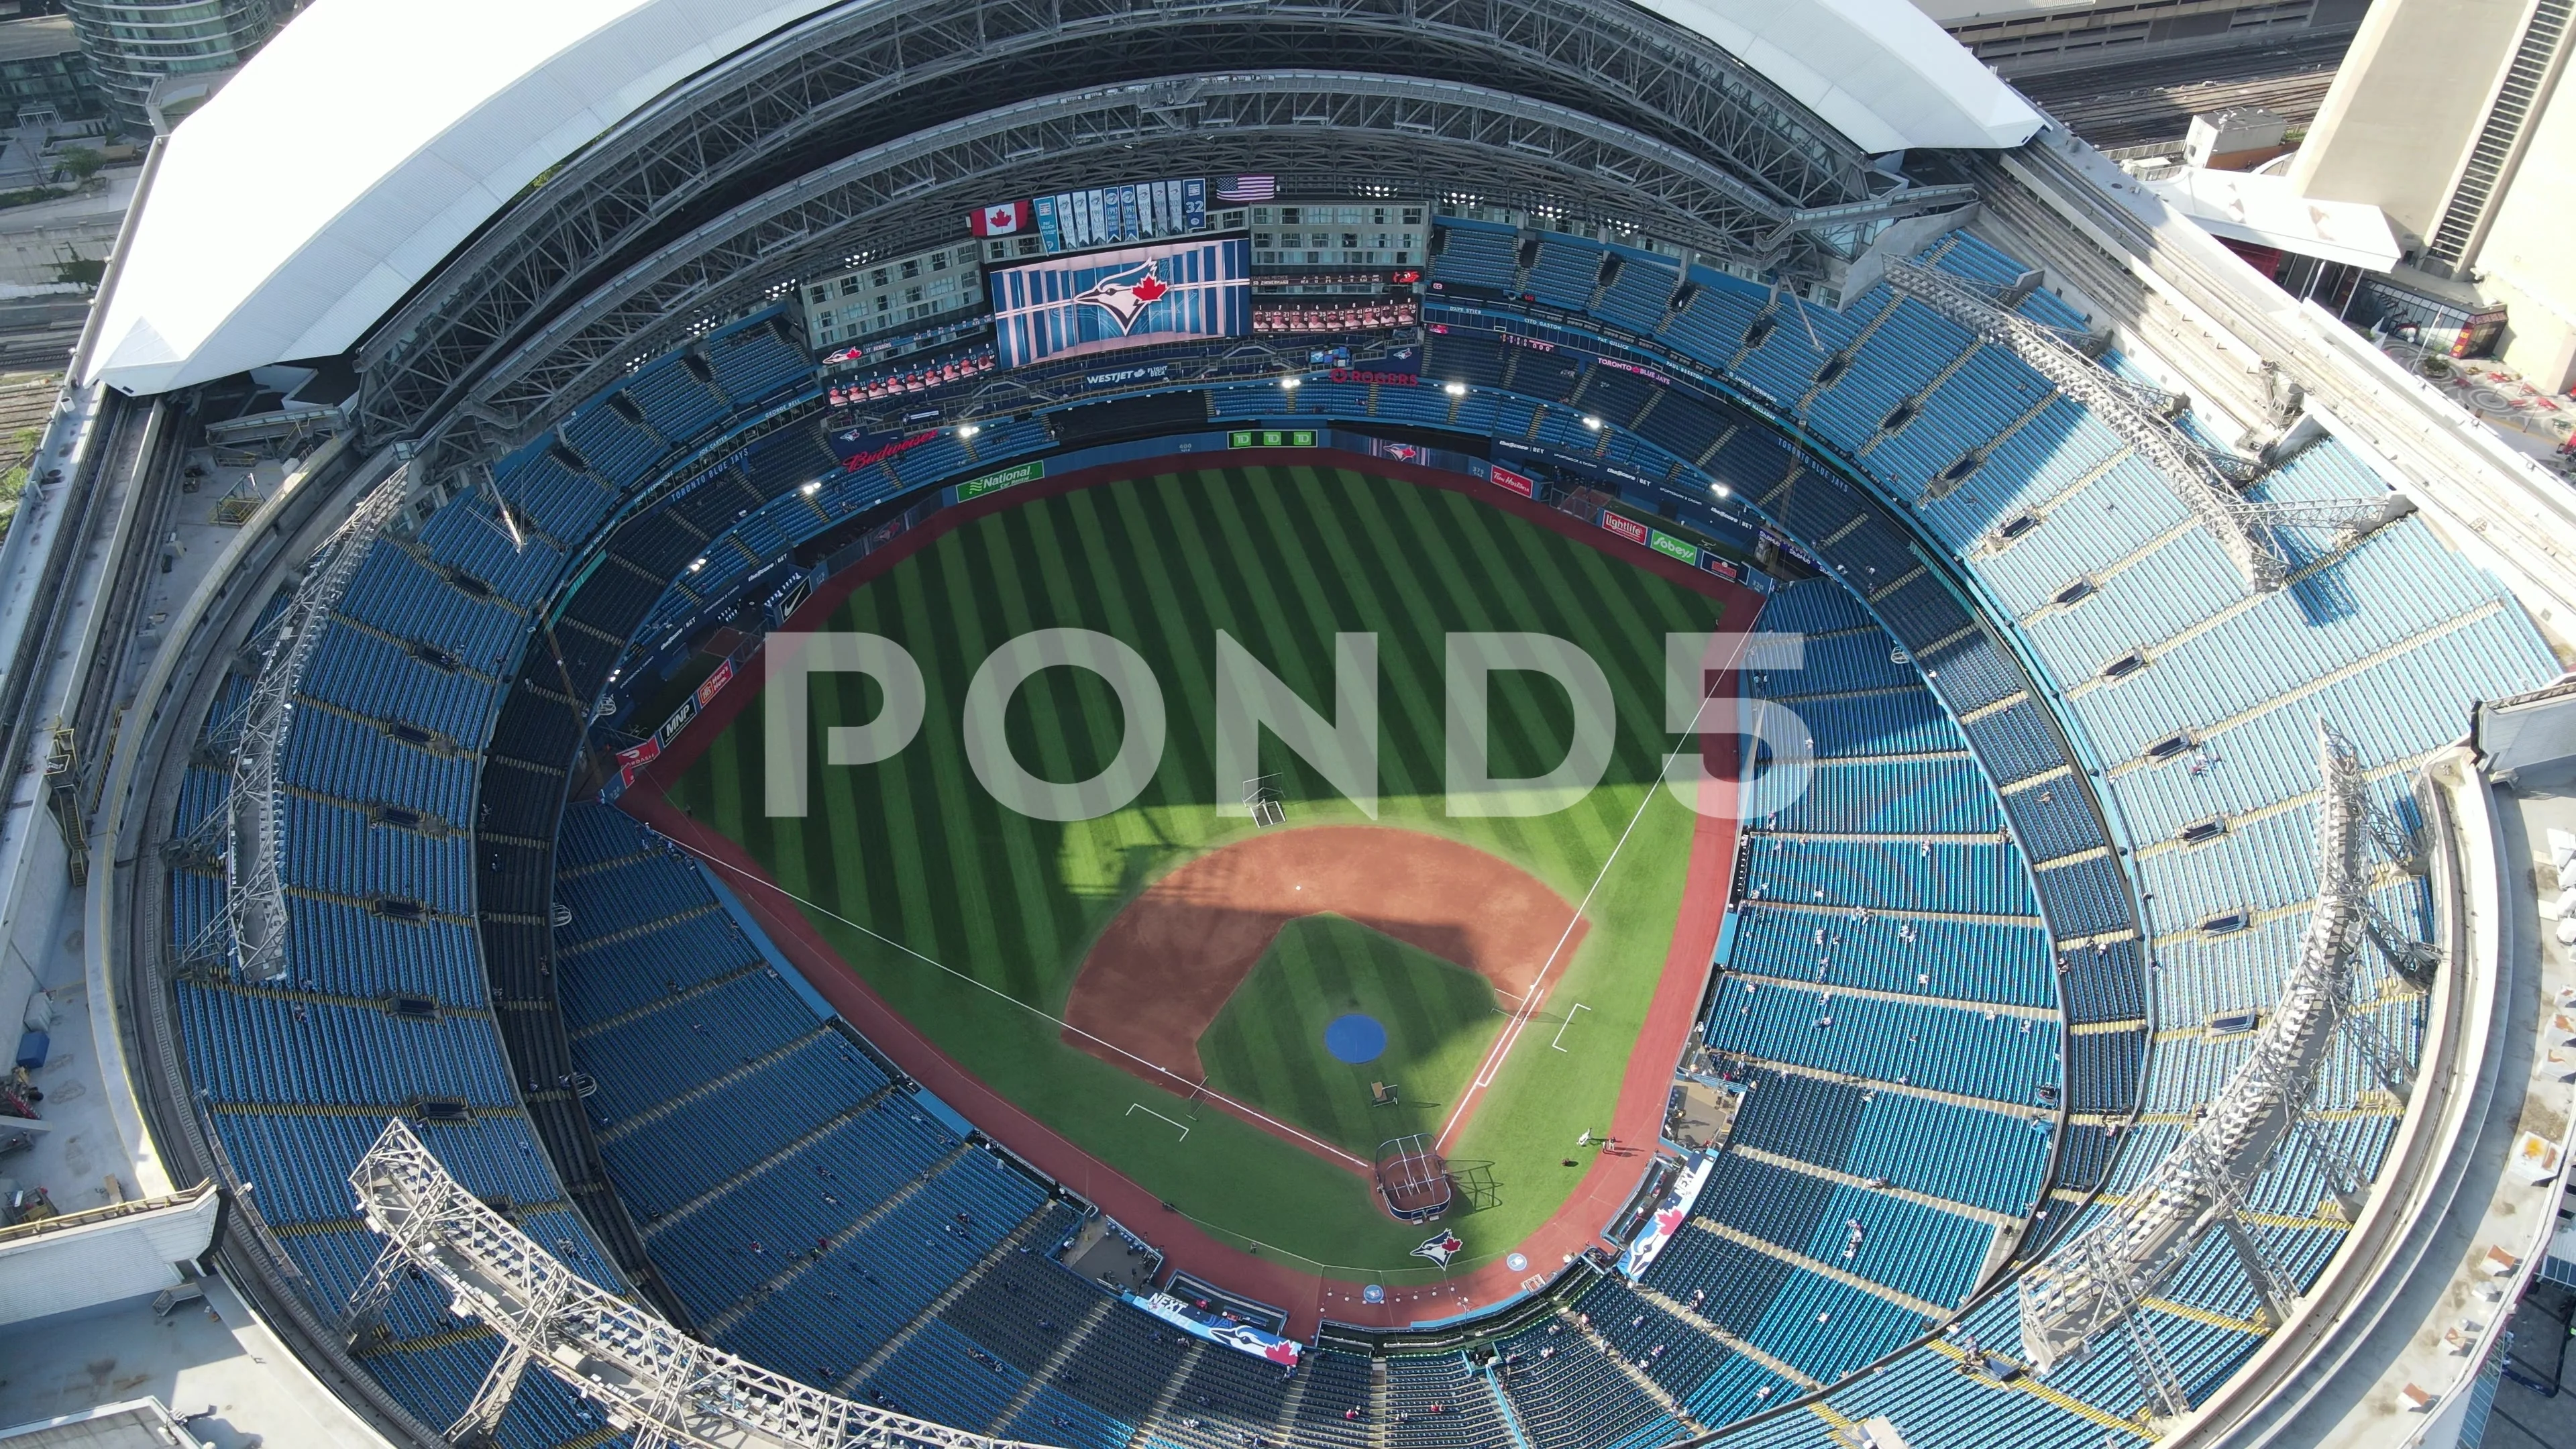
1127	298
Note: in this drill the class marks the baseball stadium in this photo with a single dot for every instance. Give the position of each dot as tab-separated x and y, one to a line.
1561	724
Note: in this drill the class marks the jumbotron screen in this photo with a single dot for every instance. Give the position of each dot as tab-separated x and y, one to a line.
1104	301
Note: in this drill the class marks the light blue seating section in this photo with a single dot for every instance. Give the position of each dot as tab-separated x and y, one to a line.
331	946
1565	272
341	850
322	1037
1567	1394
753	362
1639	297
1945	960
1990	1160
364	673
1980	876
310	1157
1942	1048
675	403
271	1047
1947	795
1898	722
787	1186
1476	254
394	591
437	1383
357	761
468	535
1467	1416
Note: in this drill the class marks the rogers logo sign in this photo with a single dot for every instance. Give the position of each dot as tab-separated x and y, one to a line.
1383	379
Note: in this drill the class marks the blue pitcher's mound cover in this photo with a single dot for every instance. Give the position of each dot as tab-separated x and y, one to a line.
1355	1038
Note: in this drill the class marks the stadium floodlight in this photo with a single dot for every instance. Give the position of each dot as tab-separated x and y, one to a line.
2094	1284
1290	384
967	430
697	563
1592	422
1721	490
1456	389
2239	529
812	487
645	1377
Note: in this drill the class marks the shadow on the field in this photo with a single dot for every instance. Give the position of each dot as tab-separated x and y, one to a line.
1474	1182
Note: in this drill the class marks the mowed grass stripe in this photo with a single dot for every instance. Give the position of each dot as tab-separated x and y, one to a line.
1121	525
1183	515
1503	609
1384	585
1281	559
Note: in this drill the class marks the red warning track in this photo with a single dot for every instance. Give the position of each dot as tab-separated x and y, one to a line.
1608	1182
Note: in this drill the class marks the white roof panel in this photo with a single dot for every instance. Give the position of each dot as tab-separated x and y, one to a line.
362	145
1880	71
371	137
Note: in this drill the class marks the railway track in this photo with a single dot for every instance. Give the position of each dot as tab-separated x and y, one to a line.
2150	103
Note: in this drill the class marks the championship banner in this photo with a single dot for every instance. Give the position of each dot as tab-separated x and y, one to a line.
1671	547
1626	527
1216	1328
1667	1219
1129	298
715	683
1107	215
1520	483
995	482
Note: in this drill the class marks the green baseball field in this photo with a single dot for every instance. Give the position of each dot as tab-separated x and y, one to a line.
1275	1003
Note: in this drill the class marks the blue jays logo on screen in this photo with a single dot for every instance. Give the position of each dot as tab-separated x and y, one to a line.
1164	292
1126	295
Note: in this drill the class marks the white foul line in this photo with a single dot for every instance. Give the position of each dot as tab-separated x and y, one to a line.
1156	1067
1502	1046
1135	1107
1562	1025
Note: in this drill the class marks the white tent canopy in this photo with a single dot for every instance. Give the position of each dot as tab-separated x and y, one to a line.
371	137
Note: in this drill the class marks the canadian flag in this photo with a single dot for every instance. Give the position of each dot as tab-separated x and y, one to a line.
1001	218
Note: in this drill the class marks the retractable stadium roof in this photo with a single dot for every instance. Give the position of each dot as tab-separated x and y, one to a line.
371	137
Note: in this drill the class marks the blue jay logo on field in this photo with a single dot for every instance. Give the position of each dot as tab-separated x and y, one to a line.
1125	295
1440	1247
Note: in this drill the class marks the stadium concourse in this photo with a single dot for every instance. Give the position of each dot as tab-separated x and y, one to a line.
2111	1012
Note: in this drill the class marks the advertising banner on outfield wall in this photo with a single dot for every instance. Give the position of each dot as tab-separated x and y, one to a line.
1667	1219
1126	298
996	481
636	757
1234	1333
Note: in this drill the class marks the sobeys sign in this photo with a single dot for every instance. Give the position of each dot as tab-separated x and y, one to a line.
1664	543
1012	476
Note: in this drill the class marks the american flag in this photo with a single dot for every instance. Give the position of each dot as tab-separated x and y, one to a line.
1248	188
